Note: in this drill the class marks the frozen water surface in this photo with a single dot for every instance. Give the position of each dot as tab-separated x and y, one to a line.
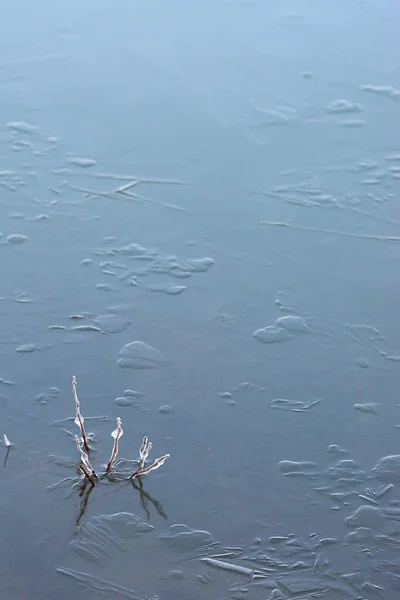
184	187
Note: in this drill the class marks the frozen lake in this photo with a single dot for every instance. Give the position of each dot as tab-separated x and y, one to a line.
199	219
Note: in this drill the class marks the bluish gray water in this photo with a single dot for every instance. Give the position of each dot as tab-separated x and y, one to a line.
199	219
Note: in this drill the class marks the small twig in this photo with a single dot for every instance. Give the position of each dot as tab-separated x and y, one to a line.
143	453
116	434
86	474
156	464
79	420
85	467
8	445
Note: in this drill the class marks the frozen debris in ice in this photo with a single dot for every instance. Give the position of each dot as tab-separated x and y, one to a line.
225	566
101	584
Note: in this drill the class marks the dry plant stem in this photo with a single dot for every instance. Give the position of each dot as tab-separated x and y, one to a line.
144	471
144	452
79	420
86	467
83	470
116	434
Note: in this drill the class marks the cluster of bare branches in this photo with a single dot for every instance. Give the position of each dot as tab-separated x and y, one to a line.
82	444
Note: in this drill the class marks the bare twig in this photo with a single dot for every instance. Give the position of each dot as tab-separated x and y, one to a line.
144	453
85	467
79	420
8	445
156	464
86	474
116	434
